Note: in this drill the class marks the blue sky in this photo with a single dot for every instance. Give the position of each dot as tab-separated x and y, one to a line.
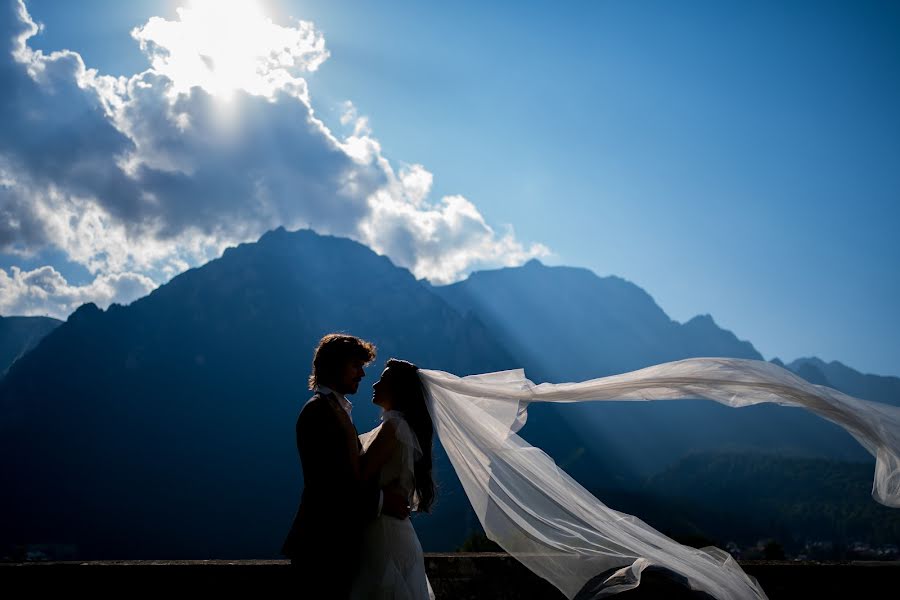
737	159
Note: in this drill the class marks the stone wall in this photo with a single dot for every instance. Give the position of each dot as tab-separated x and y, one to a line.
456	576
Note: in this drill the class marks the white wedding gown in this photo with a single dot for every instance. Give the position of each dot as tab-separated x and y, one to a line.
392	566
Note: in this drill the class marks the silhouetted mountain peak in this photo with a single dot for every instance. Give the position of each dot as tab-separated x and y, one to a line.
282	292
871	387
813	360
704	320
834	365
567	280
292	264
279	231
85	311
704	337
614	324
812	374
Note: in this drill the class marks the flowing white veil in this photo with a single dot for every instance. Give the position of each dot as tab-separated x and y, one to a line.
554	526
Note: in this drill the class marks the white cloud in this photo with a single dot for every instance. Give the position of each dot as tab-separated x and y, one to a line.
440	242
351	115
225	46
213	145
44	291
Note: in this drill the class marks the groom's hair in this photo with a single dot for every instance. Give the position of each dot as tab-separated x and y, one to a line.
334	351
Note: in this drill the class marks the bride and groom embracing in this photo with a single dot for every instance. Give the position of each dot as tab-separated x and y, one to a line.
351	534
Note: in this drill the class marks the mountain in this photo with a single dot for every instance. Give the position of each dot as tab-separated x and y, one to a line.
166	428
850	381
18	335
568	324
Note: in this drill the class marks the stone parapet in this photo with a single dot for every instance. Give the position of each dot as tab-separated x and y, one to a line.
459	576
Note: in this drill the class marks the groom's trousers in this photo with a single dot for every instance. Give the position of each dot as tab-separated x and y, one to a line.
320	576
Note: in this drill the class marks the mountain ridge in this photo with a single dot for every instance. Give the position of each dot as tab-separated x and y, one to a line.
704	321
177	410
18	335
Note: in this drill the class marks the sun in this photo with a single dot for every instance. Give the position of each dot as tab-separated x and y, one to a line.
228	45
230	42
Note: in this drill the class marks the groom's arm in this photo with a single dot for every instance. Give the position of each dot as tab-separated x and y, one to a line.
331	462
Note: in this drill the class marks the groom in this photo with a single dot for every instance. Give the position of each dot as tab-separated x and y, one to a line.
324	540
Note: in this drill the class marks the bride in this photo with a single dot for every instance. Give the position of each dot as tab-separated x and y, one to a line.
398	455
540	515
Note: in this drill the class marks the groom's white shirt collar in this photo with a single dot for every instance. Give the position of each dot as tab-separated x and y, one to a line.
345	404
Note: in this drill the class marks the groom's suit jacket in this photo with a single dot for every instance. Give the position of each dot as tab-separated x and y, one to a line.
335	504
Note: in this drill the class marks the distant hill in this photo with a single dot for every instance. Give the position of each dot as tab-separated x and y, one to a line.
18	335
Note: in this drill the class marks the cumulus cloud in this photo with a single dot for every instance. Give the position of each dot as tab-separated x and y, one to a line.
214	144
439	241
44	291
225	50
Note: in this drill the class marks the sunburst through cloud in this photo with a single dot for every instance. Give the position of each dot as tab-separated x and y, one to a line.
212	145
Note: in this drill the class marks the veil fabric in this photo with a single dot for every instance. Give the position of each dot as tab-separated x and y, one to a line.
556	528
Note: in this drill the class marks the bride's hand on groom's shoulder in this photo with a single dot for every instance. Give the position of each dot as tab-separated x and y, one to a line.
395	505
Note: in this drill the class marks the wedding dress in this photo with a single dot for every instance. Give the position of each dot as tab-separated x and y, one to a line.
392	563
556	528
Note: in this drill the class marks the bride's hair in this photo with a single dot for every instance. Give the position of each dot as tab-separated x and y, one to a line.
409	394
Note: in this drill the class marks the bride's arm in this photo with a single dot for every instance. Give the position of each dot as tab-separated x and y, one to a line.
378	452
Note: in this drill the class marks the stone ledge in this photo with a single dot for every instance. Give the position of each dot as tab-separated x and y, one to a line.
459	576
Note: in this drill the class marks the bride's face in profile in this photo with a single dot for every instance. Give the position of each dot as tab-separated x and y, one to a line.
382	395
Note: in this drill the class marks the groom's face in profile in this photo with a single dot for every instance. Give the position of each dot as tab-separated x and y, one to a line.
350	376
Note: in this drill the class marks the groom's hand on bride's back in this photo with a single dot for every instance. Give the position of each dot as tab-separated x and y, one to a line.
395	505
